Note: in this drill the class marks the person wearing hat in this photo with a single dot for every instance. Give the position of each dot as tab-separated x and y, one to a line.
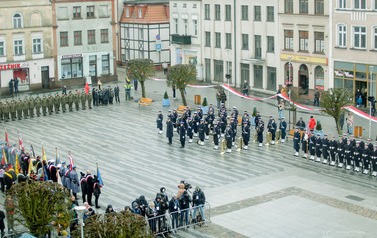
366	159
200	112
357	156
169	130
83	100
57	100
53	172
195	123
67	178
304	143
25	108
6	110
38	105
206	126
63	101
340	151
173	211
260	129
211	109
75	182
235	111
174	119
348	152
90	184
84	187
110	209
246	134
159	120
76	100
201	131
229	138
189	126
325	149
223	122
12	107
373	158
318	148
44	105
256	119
211	119
89	98
31	105
96	191
296	141
62	171
301	124
19	108
216	135
198	200
233	127
283	129
311	146
370	144
272	130
50	104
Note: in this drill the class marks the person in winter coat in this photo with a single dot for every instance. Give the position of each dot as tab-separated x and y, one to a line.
67	178
2	225
84	187
349	121
96	190
62	173
75	182
87	88
199	199
173	210
110	209
184	205
312	123
90	186
151	214
169	130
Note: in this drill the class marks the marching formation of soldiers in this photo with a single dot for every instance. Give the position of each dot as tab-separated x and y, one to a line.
202	125
344	152
31	106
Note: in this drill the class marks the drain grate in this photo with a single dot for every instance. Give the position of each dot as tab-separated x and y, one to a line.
355	198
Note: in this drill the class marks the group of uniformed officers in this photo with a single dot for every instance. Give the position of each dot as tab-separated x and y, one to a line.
30	106
201	125
350	153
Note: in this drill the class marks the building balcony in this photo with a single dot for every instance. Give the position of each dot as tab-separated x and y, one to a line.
181	39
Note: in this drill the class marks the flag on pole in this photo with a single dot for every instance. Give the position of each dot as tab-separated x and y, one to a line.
31	167
6	137
44	158
17	165
21	146
32	150
307	128
71	162
99	177
59	179
5	162
44	173
57	161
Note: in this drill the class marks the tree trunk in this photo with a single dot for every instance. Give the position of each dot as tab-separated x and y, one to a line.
338	126
142	89
183	96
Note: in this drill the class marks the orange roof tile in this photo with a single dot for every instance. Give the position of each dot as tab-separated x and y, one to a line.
153	14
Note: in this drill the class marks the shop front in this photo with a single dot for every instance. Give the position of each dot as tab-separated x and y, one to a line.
15	70
359	79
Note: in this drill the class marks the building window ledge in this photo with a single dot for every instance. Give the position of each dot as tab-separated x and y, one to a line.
3	58
361	49
77	18
90	17
289	50
340	47
374	50
39	55
19	57
63	19
319	53
303	51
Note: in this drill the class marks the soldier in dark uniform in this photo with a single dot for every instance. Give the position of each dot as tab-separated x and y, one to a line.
89	98
216	135
304	143
169	130
340	148
57	103
95	97
44	105
200	112
233	126
195	123
283	129
206	126
318	148
76	98
357	151
260	129
189	129
246	135
38	105
348	152
373	158
159	120
353	141
83	100
370	144
273	131
362	143
83	186
223	123
211	119
201	131
70	101
31	106
256	119
64	102
365	155
19	108
344	139
182	135
333	146
229	138
311	146
325	149
90	184
296	141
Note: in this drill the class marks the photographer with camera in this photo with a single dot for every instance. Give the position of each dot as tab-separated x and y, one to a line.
199	199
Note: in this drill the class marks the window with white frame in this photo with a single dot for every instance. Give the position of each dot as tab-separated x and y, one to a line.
304	40
185	26
176	26
342	36
18	47
375	37
2	48
17	21
360	4
37	45
288	39
140	11
319	40
195	24
342	4
359	37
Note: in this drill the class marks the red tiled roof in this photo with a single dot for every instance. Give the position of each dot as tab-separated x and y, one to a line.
152	14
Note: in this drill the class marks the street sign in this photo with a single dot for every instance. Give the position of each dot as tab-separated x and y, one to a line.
158	42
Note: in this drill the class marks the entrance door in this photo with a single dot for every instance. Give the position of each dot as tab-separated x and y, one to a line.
45	77
304	80
93	68
361	88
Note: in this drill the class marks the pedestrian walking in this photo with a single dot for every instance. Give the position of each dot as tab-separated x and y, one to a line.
135	84
165	67
349	121
281	109
316	97
159	120
245	88
169	130
96	190
127	88
116	93
312	123
15	83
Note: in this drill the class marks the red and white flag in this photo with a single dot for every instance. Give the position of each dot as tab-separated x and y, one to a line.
21	146
6	138
71	161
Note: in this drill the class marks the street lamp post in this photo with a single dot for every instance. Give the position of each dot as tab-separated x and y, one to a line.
371	68
289	90
81	209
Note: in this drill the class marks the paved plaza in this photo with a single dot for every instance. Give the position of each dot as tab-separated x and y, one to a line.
261	192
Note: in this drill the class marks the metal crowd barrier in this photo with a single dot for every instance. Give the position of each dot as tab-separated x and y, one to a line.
181	219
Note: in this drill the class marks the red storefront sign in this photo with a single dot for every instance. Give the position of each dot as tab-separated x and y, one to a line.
71	56
13	66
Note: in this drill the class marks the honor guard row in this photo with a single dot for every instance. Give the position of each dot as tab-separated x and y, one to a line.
202	125
348	153
30	106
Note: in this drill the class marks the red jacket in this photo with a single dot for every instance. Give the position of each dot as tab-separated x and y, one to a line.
312	124
86	88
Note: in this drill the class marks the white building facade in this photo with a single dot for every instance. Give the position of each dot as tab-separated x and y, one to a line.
186	33
241	40
85	42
